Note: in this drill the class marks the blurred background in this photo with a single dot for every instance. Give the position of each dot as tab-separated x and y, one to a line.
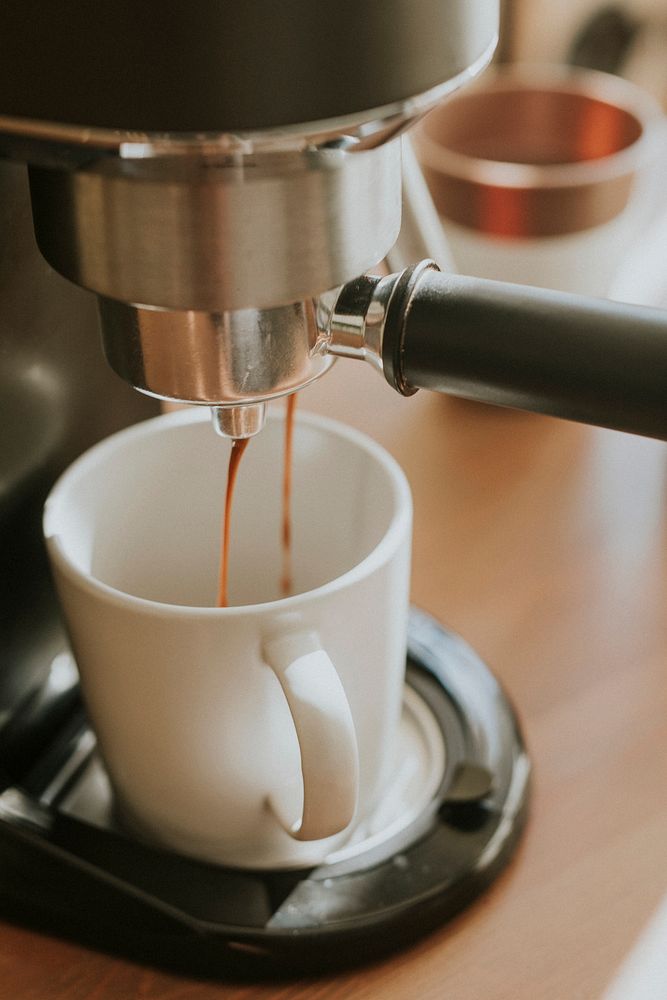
629	38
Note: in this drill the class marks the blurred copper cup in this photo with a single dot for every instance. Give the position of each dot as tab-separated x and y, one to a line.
541	174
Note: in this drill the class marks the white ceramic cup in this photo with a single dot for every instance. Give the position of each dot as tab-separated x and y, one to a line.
543	175
258	734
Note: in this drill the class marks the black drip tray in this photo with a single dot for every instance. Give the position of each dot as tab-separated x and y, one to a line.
68	870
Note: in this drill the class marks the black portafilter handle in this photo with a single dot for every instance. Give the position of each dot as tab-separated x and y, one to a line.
591	360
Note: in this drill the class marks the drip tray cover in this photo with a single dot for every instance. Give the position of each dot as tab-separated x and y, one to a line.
417	776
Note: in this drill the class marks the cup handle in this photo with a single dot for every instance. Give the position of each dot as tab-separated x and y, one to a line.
325	731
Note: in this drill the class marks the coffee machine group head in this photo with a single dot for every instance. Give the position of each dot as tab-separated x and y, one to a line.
209	176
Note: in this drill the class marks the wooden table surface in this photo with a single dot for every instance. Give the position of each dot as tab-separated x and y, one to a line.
544	544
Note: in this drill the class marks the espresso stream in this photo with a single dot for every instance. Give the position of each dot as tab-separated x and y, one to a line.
239	446
286	578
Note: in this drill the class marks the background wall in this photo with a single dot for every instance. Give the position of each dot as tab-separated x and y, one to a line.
628	37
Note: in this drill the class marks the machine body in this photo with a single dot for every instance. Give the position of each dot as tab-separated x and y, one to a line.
218	224
208	209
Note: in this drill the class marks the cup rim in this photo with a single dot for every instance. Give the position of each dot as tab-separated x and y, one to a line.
380	554
601	86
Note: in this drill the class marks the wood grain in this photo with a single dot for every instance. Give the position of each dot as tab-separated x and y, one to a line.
545	545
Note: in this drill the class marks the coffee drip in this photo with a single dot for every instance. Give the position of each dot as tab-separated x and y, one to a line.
238	449
286	579
239	446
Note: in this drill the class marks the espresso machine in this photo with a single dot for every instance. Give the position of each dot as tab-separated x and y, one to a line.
220	191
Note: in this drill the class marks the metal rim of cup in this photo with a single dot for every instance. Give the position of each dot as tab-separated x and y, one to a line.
578	140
